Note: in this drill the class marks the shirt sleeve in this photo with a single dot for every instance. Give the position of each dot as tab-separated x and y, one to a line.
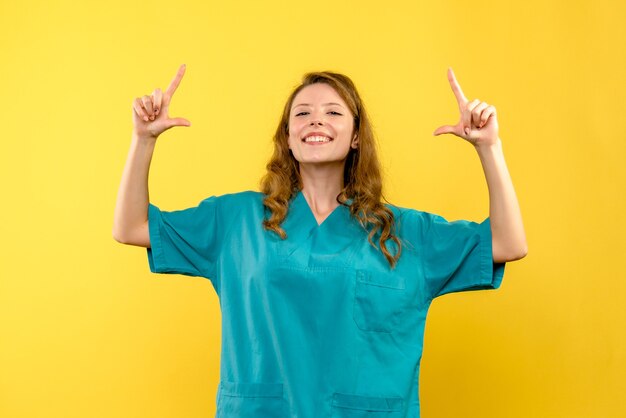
185	241
458	256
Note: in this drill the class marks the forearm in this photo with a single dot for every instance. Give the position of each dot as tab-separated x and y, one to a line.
131	210
507	229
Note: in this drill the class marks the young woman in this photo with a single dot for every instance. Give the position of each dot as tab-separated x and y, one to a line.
323	288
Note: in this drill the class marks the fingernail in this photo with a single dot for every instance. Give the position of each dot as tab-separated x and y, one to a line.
145	118
466	131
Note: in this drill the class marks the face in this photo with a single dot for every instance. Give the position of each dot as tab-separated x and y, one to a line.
320	126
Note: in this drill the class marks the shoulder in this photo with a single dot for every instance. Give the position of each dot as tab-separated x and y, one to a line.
416	225
235	207
410	215
239	199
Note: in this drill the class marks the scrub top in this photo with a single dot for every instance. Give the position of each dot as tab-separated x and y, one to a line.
318	324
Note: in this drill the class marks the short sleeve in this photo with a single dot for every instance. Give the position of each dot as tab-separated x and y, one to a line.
458	256
185	241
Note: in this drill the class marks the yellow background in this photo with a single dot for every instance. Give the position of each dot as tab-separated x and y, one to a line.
87	331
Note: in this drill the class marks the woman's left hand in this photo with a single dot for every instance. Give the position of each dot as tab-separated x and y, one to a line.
478	123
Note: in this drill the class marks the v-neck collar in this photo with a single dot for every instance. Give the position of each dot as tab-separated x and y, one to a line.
311	244
300	200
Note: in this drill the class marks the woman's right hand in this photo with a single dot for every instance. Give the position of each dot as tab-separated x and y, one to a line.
150	117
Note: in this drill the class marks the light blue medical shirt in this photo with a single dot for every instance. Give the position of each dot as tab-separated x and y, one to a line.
318	325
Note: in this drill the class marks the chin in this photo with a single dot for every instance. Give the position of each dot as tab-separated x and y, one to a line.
320	161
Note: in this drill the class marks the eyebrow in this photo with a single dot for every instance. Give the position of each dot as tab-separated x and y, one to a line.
325	104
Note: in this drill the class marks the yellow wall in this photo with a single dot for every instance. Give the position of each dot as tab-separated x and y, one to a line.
87	331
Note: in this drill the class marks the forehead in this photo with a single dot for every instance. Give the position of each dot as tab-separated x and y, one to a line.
316	94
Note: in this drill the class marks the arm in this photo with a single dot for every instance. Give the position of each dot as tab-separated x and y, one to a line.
507	229
478	125
150	119
130	222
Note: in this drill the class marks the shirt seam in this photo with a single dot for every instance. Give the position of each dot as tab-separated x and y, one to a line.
227	234
158	256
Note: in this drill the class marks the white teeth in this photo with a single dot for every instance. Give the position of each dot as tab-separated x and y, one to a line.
317	139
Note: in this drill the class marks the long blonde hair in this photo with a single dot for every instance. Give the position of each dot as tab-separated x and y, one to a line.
362	177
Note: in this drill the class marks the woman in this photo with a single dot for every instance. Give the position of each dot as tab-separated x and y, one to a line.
323	289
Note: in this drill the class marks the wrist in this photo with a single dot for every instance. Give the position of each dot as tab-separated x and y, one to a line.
143	140
489	147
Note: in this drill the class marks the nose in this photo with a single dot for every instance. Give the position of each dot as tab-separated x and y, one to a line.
317	118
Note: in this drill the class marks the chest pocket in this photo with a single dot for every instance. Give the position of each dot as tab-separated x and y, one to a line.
379	300
237	400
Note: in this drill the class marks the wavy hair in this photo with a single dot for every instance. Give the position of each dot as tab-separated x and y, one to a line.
362	176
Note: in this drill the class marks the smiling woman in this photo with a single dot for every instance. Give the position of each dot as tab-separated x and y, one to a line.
324	289
324	146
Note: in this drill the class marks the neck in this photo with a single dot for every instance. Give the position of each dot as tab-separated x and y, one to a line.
321	183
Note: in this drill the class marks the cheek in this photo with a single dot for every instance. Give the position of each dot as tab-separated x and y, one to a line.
293	140
346	132
294	133
294	125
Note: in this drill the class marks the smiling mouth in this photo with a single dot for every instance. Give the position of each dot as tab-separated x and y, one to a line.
316	139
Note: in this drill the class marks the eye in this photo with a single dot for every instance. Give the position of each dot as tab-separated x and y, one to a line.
336	113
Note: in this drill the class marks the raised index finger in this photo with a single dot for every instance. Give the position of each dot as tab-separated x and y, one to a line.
460	97
176	81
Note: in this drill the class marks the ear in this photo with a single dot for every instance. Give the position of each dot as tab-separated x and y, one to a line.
355	141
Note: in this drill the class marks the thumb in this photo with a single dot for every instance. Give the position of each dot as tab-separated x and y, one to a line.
445	129
178	122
